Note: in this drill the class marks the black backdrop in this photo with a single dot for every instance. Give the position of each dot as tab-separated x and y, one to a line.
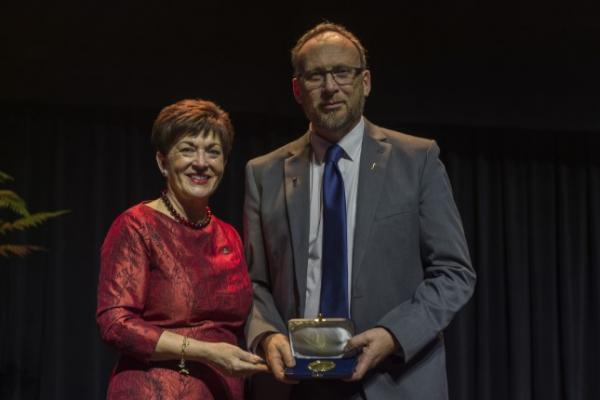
509	92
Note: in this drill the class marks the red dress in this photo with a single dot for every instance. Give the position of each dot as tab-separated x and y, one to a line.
157	274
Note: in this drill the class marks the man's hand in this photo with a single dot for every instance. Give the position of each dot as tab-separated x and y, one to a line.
376	344
278	354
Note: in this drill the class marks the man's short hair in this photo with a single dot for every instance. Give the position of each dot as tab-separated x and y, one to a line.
321	28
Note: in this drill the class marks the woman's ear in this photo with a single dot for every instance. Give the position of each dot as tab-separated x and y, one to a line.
161	162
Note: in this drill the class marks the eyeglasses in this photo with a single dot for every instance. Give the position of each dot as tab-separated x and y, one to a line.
341	74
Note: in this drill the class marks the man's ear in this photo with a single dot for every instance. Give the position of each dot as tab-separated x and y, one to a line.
161	162
366	82
297	89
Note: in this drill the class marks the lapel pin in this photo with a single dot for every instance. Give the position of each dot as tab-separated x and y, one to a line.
373	166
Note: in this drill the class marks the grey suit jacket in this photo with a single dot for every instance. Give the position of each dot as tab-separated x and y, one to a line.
411	266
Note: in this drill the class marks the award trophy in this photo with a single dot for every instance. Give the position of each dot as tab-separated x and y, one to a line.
318	346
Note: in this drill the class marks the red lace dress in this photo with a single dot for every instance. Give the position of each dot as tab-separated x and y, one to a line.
158	274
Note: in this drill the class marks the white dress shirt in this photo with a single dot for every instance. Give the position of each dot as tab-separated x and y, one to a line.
348	165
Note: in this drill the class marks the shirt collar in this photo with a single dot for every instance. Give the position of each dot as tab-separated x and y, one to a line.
350	143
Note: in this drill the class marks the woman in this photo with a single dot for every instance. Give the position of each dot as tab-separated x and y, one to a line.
173	292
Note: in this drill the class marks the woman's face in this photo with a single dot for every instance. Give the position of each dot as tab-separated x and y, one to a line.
193	167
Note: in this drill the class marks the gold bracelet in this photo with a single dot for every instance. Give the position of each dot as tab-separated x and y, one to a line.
184	345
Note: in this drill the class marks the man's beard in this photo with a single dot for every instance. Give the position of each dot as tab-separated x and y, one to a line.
335	122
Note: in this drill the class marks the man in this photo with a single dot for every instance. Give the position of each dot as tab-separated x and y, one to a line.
405	264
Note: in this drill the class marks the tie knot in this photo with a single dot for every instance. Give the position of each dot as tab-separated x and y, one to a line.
334	153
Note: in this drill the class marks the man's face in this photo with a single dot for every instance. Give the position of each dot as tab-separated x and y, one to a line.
333	107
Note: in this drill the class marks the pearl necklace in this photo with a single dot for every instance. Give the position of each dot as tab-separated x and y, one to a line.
181	219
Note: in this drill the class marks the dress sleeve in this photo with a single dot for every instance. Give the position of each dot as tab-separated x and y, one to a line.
122	287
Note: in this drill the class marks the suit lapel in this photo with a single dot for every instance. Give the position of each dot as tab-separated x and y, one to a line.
297	197
373	163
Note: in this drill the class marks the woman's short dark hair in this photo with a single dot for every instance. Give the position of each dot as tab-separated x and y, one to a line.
191	117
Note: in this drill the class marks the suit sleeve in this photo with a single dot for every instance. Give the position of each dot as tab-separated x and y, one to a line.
264	316
449	279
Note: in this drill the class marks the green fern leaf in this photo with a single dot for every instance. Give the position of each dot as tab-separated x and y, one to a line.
18	250
30	221
12	201
5	177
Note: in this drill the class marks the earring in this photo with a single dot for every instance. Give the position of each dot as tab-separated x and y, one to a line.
164	172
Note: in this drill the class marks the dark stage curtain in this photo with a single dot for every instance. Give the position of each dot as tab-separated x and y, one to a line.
530	203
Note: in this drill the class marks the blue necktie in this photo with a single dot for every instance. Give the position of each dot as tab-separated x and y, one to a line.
334	266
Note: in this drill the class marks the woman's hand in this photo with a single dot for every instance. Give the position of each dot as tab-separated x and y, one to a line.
229	359
233	361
